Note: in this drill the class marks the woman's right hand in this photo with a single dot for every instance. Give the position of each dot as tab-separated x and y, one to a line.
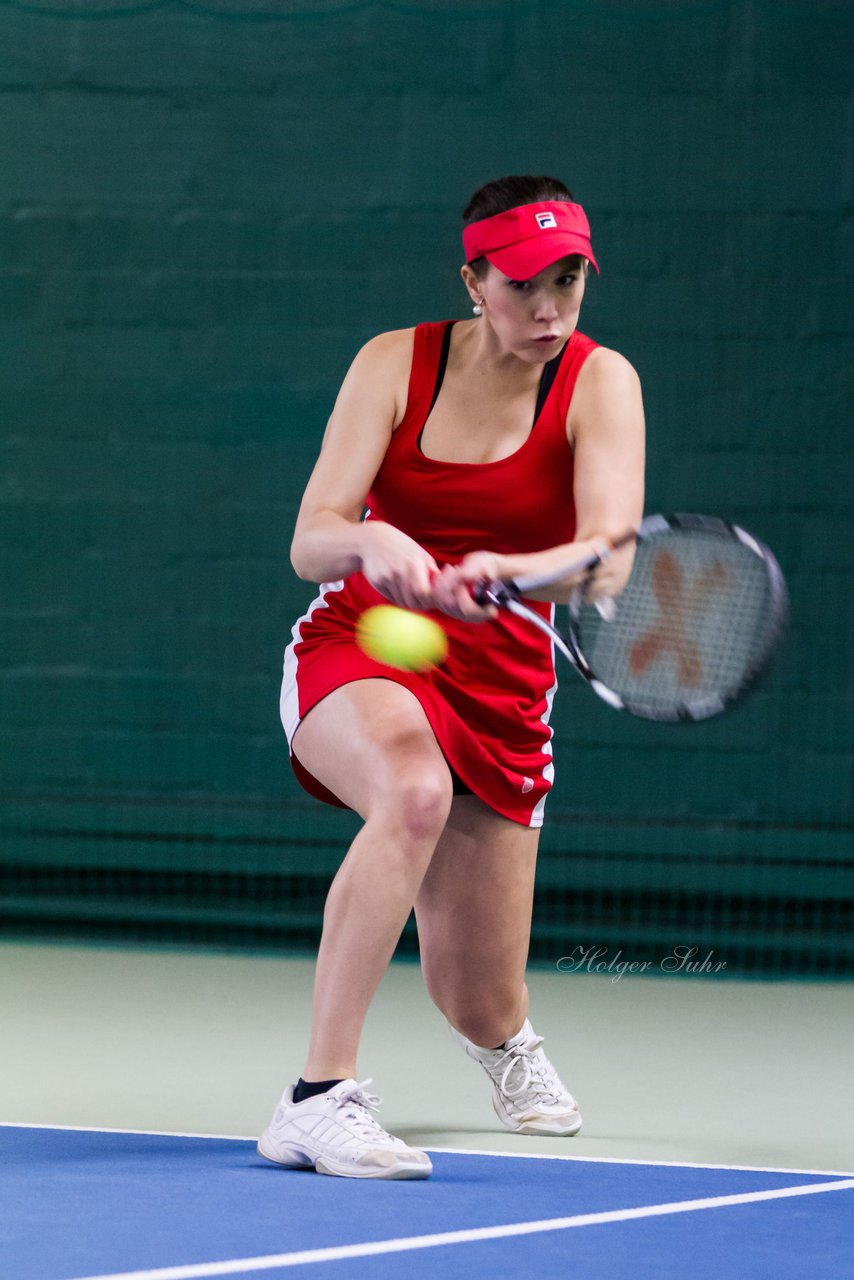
396	566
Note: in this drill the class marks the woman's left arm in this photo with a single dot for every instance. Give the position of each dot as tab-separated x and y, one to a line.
606	430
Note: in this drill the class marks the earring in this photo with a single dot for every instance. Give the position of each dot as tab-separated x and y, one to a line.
478	308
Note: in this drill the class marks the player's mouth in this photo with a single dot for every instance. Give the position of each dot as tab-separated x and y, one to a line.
547	339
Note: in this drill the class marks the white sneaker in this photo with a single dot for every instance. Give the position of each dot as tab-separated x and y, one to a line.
335	1133
528	1094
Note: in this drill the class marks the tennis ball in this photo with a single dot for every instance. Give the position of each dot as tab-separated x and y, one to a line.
401	638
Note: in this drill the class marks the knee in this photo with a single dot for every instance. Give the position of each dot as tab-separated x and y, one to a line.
424	803
426	800
416	802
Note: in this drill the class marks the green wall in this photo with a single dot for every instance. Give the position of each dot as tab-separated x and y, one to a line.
204	211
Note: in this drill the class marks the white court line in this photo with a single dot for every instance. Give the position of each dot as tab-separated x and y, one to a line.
454	1151
655	1164
139	1133
196	1271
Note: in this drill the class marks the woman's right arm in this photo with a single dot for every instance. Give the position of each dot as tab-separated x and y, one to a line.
331	540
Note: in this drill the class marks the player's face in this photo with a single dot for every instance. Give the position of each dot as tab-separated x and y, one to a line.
533	318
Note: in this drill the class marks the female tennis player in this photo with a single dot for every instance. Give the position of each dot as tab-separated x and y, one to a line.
503	444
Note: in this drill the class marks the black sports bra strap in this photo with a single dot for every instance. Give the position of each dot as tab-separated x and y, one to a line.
443	364
547	380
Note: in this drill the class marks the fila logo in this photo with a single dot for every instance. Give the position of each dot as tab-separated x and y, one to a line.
545	220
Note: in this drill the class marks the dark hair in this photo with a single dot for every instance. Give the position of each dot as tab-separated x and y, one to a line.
508	193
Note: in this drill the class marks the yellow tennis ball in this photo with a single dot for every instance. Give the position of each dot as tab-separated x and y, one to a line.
401	638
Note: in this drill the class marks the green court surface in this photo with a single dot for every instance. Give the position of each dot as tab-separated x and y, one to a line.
667	1069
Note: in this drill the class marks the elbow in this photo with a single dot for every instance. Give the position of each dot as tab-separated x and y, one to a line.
323	550
299	561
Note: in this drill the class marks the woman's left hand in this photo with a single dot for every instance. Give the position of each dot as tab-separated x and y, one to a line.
452	589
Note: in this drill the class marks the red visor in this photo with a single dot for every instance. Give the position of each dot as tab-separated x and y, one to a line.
525	240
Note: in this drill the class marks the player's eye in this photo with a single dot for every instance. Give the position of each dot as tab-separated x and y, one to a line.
519	285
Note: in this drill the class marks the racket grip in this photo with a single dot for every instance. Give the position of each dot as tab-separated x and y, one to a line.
497	592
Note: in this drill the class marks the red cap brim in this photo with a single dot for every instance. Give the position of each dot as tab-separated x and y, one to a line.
530	257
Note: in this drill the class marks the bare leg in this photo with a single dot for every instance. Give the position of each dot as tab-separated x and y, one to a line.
371	744
474	921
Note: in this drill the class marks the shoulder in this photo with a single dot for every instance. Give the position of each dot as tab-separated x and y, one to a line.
605	378
607	396
378	377
605	367
386	364
386	351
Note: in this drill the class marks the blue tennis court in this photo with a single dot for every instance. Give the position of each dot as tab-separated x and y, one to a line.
88	1203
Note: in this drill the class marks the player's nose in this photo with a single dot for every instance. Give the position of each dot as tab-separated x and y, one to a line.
545	307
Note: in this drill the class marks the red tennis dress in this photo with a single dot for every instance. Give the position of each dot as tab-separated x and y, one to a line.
490	701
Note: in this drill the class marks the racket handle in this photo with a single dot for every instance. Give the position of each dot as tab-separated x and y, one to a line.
497	592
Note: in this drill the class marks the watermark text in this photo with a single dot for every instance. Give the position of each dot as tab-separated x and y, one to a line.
681	959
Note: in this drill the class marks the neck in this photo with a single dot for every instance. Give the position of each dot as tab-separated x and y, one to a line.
479	348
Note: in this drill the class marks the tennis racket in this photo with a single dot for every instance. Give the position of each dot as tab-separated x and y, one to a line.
690	634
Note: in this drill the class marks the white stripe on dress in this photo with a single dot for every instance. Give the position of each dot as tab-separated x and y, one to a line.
548	769
289	698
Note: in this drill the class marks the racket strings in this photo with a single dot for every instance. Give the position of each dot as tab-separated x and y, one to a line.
692	623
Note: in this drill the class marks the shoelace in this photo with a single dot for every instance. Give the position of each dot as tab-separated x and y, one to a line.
358	1105
536	1071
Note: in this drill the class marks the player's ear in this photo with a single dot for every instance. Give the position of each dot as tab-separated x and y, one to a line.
471	282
